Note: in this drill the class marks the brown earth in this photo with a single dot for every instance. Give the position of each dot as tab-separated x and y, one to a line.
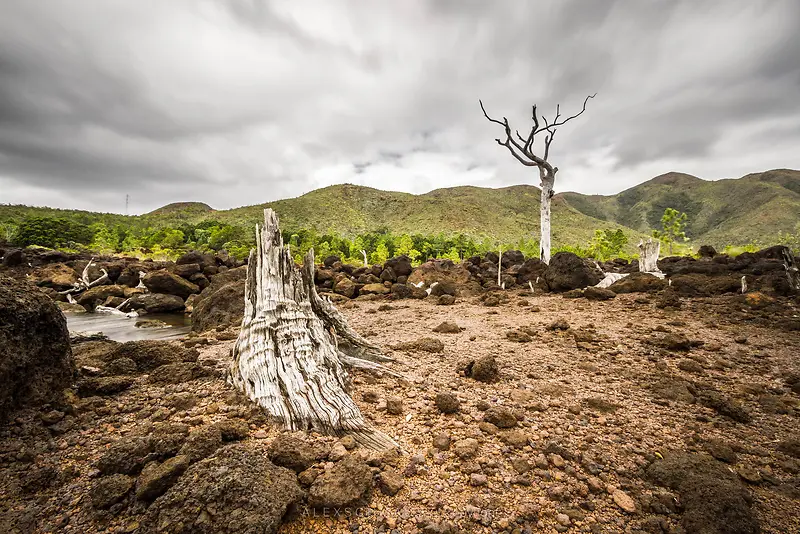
586	423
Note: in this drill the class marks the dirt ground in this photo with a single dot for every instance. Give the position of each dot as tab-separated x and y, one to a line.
593	402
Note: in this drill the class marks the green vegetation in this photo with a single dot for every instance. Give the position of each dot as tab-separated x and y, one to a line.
673	225
454	223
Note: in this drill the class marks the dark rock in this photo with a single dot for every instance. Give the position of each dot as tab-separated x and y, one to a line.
289	451
401	265
713	498
500	416
484	369
374	289
423	344
222	303
390	482
790	446
202	443
157	478
346	287
558	324
36	362
706	251
200	280
518	336
704	285
724	405
104	385
13	257
401	291
57	275
720	450
163	281
177	373
348	483
202	259
447	402
512	257
235	491
445	287
567	271
95	296
157	303
598	293
531	270
126	456
446	300
185	270
447	328
108	491
638	283
330	260
388	275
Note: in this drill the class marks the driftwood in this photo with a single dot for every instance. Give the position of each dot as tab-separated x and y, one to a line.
84	283
286	358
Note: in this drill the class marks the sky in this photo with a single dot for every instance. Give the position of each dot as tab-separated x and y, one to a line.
241	102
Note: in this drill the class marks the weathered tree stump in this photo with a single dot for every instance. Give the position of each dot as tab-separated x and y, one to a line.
286	358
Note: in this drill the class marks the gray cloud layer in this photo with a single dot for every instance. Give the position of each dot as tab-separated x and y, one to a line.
245	101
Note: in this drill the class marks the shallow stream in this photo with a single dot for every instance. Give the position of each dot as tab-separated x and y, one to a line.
120	328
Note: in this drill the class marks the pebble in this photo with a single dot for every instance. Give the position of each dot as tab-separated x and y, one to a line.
624	501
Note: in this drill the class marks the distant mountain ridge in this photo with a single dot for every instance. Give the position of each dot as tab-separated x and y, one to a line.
754	208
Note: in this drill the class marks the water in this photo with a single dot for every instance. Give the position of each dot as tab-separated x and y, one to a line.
120	328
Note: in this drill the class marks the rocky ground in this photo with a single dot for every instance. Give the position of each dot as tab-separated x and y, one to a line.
518	413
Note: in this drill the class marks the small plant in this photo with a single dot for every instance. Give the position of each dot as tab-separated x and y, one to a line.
673	228
607	244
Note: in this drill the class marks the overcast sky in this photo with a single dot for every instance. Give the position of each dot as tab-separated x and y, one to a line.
241	102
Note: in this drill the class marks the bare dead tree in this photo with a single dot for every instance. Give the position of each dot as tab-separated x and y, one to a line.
522	148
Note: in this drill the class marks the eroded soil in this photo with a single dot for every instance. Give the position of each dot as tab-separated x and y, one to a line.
589	408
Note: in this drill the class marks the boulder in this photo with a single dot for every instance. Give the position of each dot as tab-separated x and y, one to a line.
292	452
236	490
401	291
36	362
374	289
330	260
348	483
163	281
598	293
512	257
401	265
222	303
156	303
638	282
346	287
713	498
705	285
56	275
93	297
185	270
707	251
202	259
13	257
567	271
529	271
441	271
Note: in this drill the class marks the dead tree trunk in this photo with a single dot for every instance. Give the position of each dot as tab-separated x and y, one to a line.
648	256
792	271
522	149
286	358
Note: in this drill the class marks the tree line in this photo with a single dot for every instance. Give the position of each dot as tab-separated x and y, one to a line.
164	242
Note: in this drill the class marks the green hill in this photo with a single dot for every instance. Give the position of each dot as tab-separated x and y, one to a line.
755	207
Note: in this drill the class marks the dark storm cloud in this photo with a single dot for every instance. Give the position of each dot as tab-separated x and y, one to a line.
237	102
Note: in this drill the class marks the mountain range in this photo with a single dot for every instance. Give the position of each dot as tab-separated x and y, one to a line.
753	208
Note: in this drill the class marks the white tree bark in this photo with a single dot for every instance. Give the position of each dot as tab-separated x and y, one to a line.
648	256
792	271
499	264
548	181
286	358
